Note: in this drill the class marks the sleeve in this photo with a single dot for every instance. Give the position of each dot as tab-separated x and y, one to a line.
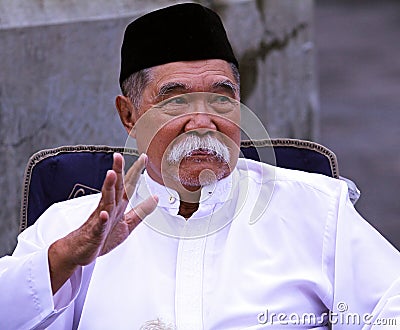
26	300
367	273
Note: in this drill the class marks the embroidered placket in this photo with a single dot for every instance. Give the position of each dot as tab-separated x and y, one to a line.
189	283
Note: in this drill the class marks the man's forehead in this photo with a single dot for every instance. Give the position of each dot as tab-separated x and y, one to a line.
192	72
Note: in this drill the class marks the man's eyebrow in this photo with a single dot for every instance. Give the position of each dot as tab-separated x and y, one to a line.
227	85
171	87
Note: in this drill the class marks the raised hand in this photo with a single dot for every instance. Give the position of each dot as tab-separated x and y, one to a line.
107	226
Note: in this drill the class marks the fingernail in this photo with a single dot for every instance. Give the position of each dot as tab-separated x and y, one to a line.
144	157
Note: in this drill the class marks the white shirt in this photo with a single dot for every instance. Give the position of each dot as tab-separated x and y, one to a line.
266	247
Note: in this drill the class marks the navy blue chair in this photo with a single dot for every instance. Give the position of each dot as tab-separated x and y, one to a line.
293	154
58	174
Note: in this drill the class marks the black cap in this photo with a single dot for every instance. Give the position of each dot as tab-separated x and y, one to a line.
183	32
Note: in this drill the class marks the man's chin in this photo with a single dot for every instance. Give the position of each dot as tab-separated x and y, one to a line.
196	170
193	173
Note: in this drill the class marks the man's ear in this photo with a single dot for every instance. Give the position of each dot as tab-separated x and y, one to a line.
126	113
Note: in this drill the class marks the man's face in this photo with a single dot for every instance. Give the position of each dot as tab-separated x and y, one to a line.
188	123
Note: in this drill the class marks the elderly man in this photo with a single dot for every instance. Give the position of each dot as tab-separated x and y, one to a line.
178	246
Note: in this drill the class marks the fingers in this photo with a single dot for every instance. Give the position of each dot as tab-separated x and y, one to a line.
108	191
133	174
116	187
146	207
113	185
99	223
118	168
142	210
115	191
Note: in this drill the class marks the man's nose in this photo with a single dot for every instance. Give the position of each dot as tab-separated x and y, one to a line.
200	120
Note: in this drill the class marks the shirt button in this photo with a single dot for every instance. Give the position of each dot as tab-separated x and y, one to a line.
172	199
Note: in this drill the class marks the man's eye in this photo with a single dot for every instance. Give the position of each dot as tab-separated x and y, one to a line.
179	100
220	99
222	104
174	105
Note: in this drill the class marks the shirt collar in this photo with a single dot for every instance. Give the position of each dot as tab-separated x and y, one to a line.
216	193
216	210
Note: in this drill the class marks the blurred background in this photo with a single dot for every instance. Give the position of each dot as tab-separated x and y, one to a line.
358	61
322	70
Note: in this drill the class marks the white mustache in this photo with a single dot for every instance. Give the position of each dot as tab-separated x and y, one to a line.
194	142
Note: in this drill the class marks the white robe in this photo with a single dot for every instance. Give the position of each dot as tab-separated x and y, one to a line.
268	248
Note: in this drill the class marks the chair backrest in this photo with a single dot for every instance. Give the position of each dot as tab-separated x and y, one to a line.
293	154
58	174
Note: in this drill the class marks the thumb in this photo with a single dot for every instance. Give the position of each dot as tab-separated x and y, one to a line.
140	211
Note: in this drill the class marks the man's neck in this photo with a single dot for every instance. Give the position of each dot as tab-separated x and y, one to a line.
189	201
187	209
